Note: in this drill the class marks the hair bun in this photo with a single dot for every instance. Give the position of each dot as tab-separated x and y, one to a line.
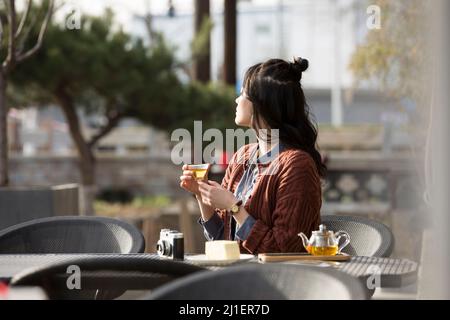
300	64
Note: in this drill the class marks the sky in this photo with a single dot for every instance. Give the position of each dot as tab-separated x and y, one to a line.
156	6
126	8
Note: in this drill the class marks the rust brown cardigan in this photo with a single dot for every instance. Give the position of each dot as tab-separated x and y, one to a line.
285	200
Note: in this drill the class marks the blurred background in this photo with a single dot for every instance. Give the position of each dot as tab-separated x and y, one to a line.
86	120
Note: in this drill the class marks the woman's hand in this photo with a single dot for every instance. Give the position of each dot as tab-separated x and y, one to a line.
214	195
188	181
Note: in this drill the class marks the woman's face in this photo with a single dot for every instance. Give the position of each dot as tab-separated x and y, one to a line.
244	110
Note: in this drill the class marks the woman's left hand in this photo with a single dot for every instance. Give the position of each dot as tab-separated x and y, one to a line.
213	194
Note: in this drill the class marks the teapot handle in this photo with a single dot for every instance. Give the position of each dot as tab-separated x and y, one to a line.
338	236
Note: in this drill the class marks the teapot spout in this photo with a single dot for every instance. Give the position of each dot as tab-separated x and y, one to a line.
305	241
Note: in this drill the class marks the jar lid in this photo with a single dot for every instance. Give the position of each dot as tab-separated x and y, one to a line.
322	230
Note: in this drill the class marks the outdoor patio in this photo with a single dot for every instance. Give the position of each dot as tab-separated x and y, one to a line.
102	105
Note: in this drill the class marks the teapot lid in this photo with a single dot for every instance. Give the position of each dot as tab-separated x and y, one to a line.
322	230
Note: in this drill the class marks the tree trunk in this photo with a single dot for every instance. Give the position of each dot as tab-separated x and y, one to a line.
3	132
230	42
202	67
86	156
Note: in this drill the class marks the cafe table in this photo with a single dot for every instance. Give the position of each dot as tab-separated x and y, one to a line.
147	271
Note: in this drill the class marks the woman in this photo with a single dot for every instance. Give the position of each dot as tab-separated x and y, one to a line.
266	199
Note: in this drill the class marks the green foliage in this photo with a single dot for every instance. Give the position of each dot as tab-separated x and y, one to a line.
211	103
142	206
396	56
104	69
157	201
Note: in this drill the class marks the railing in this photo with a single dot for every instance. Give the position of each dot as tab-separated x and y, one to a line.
370	184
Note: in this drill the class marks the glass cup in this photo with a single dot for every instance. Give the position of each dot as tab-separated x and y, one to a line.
200	170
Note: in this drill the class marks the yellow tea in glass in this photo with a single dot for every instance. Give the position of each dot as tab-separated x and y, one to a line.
200	170
322	251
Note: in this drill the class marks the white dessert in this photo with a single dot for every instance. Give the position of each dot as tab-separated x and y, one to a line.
222	250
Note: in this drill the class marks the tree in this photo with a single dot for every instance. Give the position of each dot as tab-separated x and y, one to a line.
397	57
202	65
13	35
102	70
230	21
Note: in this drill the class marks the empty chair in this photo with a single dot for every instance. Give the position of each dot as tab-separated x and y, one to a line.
259	282
72	234
107	272
368	237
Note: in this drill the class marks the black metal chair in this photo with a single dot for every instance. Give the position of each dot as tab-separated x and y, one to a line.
264	282
72	234
368	237
107	272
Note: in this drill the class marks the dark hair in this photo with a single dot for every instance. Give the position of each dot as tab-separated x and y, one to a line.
276	93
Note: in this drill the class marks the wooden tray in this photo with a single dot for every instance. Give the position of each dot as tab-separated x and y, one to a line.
278	257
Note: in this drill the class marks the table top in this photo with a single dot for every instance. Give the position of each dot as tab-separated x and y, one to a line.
392	272
13	264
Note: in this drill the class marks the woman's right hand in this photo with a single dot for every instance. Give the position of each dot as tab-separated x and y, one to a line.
188	181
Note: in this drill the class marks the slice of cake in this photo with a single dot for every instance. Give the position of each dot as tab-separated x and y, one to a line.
222	250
